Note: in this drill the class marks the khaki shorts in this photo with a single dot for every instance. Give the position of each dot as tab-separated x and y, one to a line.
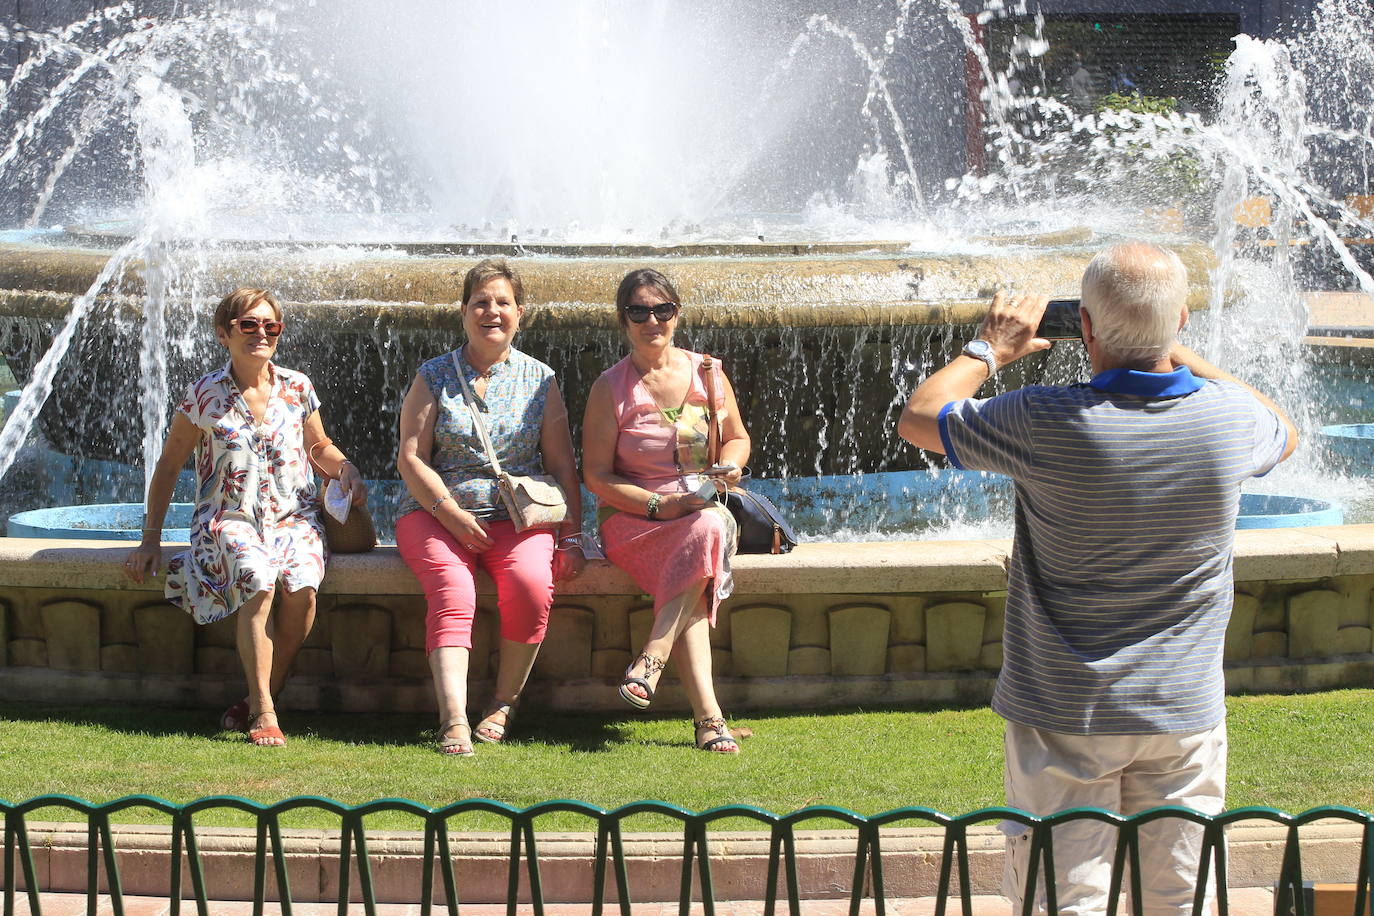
1047	772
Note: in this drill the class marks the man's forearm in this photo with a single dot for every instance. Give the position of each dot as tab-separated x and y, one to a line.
920	420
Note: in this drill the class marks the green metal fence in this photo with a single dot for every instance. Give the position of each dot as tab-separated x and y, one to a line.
609	855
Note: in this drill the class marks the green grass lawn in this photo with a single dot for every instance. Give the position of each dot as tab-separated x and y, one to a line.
1289	752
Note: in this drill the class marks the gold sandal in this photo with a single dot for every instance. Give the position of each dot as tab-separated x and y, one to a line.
497	729
454	747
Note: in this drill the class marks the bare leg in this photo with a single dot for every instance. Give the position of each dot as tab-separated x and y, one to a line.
694	669
449	665
255	652
289	625
672	618
512	671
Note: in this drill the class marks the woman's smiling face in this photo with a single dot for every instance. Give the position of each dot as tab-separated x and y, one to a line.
492	315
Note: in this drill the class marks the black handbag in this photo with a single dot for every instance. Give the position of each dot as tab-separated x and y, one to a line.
762	529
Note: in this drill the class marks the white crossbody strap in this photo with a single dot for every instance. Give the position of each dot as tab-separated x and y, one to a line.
481	427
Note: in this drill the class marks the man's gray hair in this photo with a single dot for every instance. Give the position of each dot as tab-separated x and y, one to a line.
1135	293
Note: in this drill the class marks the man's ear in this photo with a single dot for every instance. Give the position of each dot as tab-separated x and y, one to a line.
1183	317
1086	320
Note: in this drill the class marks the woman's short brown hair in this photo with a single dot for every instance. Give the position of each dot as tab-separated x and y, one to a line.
240	301
644	276
490	269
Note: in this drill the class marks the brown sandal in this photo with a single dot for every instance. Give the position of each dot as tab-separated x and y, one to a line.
652	665
714	724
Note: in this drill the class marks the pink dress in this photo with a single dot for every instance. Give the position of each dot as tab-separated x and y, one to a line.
653	449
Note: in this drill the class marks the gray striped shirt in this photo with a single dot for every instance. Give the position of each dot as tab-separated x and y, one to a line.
1120	585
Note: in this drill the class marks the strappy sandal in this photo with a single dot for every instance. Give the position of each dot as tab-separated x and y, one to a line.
264	735
652	665
714	724
453	747
235	718
488	723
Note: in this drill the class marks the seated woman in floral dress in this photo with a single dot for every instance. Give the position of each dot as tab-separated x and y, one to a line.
254	428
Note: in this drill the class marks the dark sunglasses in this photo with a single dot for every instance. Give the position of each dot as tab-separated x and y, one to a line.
664	311
250	326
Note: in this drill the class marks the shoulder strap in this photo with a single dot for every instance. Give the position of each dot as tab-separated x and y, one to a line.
708	363
477	423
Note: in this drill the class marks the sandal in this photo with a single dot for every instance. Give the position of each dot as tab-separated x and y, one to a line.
454	747
652	665
714	724
264	735
489	730
235	718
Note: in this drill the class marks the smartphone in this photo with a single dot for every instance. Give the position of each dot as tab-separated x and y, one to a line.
1061	321
717	470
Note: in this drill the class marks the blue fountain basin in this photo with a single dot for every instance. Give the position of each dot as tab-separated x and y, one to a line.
898	504
104	522
1265	510
1350	446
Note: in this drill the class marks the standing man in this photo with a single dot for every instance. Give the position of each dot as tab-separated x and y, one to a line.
1120	581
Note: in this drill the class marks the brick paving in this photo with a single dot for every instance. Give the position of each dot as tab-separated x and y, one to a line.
1243	902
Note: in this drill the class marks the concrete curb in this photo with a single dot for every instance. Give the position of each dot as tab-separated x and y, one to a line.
911	860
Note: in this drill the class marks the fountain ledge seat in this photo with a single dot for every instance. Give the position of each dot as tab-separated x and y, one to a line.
829	625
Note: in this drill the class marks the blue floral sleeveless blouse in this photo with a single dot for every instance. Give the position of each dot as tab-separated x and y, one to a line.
513	411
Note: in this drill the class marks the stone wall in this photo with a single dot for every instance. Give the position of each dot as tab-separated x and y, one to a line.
829	625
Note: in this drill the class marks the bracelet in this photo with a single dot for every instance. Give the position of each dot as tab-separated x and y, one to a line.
651	508
344	462
435	508
571	538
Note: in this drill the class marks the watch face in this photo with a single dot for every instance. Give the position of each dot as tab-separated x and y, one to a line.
978	348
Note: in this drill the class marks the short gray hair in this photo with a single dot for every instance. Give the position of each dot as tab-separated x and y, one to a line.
1135	293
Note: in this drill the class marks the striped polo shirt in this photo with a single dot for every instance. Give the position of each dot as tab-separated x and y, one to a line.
1120	584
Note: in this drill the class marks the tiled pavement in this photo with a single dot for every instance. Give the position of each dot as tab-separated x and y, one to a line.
1243	902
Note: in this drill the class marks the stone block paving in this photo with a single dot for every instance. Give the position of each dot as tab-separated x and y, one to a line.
1256	901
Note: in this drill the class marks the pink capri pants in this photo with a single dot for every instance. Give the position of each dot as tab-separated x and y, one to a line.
521	564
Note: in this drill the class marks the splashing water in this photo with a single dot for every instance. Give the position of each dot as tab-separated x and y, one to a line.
367	122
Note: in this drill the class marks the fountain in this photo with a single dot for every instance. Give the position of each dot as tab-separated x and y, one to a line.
805	176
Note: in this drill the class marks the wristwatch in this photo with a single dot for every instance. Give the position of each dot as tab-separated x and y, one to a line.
981	349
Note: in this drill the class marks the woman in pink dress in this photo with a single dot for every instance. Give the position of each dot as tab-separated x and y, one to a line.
254	427
645	457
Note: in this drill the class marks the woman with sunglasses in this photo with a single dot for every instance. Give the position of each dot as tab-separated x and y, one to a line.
453	520
645	457
255	429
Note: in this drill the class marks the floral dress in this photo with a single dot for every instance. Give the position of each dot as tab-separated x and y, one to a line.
257	515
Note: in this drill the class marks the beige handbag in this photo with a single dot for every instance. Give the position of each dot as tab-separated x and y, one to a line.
531	502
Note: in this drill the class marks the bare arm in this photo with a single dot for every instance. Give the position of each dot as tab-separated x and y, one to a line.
599	435
1182	356
418	412
735	444
330	459
146	559
556	450
1010	328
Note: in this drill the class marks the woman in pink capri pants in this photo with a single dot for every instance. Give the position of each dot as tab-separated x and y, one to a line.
453	520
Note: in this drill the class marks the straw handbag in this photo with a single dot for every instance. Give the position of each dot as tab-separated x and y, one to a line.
357	533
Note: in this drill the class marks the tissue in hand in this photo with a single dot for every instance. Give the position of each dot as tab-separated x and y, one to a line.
336	501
